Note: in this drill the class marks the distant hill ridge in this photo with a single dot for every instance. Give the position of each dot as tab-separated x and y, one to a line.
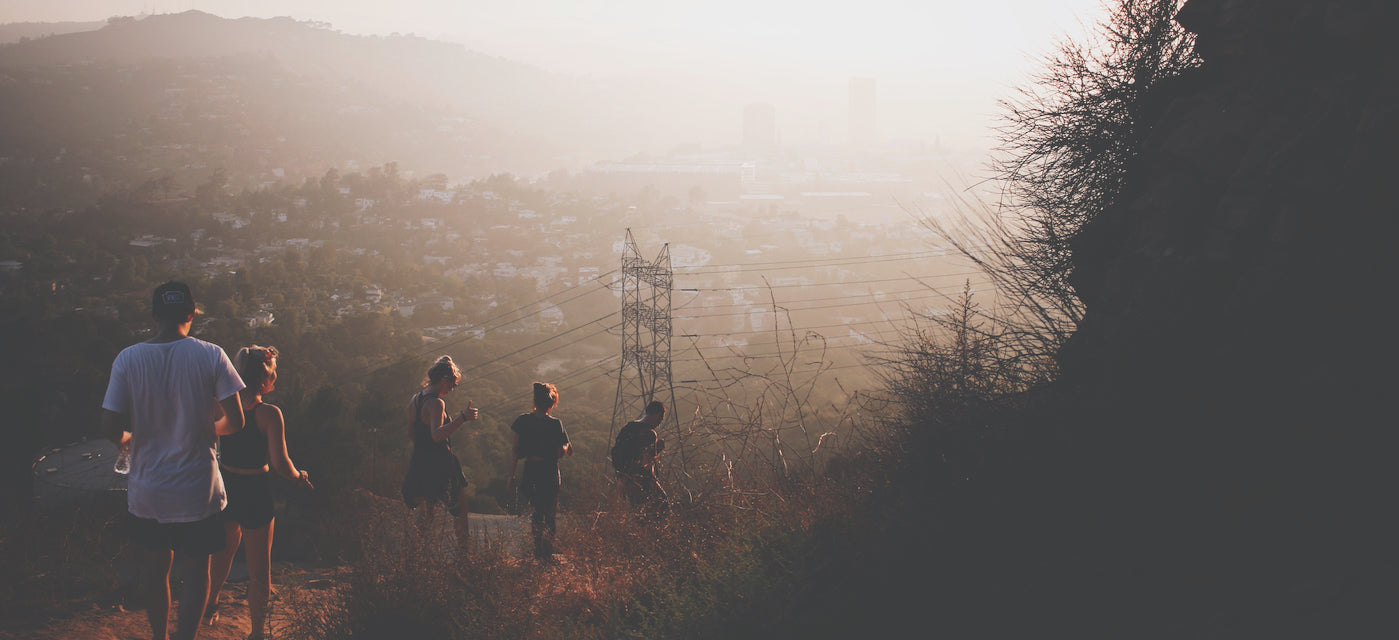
16	31
304	47
573	117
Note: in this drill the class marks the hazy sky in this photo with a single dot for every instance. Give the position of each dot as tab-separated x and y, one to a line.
940	64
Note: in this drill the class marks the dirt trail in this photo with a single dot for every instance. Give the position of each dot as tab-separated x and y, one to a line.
88	620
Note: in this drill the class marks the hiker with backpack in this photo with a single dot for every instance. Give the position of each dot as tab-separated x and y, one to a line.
634	458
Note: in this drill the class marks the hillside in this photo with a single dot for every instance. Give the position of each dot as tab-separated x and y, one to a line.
275	100
422	68
17	31
1215	459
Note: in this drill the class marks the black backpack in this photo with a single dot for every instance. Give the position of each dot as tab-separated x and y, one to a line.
626	452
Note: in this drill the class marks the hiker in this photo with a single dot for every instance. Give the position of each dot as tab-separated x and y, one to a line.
434	472
244	460
540	440
634	458
160	407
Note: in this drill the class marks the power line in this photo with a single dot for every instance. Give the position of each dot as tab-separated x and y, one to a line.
790	329
526	348
723	379
782	305
565	378
434	346
826	298
830	284
437	346
822	262
879	334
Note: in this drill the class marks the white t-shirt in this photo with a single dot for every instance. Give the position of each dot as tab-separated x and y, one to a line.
169	391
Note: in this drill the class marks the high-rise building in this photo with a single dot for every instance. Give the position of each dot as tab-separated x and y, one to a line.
760	127
863	122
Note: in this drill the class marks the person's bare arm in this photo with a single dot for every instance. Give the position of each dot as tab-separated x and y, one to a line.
514	460
435	413
117	428
232	420
270	418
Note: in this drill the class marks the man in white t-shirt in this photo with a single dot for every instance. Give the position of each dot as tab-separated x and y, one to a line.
161	405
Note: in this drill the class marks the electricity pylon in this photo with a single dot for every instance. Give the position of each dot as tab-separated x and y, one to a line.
646	328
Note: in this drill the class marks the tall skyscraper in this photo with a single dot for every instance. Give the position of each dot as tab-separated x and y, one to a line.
760	127
863	121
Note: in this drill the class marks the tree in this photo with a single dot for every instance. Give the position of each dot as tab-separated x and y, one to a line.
945	370
1066	144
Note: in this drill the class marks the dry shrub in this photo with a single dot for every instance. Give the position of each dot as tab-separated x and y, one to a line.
752	474
619	574
53	554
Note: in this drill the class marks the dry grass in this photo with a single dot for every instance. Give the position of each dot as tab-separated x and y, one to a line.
616	575
52	557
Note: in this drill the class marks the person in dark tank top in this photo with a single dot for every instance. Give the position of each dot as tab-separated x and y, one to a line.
434	473
246	460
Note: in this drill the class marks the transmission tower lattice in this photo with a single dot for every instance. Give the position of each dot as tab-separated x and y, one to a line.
646	328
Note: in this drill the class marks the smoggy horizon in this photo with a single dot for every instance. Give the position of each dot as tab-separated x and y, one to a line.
939	69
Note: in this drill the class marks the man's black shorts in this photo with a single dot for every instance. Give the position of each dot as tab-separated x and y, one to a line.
201	538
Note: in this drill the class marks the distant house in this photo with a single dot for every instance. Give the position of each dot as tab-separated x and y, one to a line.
445	197
439	300
452	330
231	220
468	271
683	255
263	318
223	262
545	276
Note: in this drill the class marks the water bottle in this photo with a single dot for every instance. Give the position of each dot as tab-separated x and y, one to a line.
123	465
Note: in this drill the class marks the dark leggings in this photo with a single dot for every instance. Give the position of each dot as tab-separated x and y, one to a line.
540	485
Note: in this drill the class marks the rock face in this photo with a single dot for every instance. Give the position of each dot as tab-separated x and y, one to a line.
1238	344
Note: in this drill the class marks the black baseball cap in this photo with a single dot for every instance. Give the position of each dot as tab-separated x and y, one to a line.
173	301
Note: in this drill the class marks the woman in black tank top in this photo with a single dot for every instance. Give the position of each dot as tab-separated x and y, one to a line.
245	459
434	472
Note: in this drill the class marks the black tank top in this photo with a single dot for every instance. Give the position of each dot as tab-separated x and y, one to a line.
246	449
422	433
